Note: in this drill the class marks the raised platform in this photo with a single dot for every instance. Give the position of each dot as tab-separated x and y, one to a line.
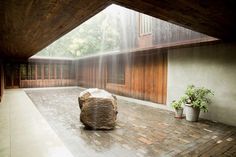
23	130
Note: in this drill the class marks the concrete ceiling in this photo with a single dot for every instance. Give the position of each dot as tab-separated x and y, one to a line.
28	26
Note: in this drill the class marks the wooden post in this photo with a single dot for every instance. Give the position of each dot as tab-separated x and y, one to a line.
61	71
36	71
42	68
55	70
49	71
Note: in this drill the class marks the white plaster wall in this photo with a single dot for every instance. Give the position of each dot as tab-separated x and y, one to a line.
212	66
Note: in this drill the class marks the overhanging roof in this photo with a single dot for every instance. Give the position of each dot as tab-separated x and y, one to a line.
28	26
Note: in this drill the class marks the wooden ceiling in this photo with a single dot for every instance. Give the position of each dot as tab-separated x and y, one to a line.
28	26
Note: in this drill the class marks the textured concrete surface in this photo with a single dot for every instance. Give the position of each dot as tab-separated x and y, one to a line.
23	130
140	131
212	66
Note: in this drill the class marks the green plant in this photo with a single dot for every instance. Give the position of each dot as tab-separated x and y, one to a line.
177	104
198	97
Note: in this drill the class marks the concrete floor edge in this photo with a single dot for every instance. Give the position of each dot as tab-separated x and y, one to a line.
24	131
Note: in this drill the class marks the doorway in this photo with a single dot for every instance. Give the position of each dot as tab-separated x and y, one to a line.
12	79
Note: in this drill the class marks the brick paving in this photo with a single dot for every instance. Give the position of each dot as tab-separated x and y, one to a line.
141	131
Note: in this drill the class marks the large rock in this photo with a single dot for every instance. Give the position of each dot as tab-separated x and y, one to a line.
98	109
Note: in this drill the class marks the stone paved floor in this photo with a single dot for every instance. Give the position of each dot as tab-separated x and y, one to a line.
140	131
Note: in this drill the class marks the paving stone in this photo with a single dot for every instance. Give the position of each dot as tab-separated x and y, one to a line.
140	130
144	140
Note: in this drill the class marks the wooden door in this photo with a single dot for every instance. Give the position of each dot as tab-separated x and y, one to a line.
12	79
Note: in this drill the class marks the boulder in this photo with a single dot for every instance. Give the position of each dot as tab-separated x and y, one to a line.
98	109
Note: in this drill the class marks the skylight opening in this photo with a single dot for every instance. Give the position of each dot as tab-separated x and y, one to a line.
117	30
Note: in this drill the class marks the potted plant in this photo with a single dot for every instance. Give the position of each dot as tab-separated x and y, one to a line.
177	105
195	99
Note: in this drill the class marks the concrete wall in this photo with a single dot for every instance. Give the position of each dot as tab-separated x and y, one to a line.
212	66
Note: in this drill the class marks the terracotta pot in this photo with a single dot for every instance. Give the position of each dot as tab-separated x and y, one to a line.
179	113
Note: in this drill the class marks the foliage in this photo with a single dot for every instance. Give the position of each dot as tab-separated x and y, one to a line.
104	32
198	97
177	104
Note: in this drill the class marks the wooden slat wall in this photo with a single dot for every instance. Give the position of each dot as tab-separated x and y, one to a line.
148	76
91	73
47	83
145	75
50	81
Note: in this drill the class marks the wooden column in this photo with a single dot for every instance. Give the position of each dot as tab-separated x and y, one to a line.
55	70
42	68
36	71
49	71
61	71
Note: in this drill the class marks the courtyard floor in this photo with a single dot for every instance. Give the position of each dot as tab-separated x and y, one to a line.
141	131
50	127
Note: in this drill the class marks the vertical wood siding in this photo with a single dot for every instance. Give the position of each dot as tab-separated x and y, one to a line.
65	78
145	75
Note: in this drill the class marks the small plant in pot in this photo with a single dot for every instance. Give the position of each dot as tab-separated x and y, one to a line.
196	100
177	105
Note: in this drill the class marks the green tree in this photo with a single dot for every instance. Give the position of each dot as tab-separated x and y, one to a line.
99	34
